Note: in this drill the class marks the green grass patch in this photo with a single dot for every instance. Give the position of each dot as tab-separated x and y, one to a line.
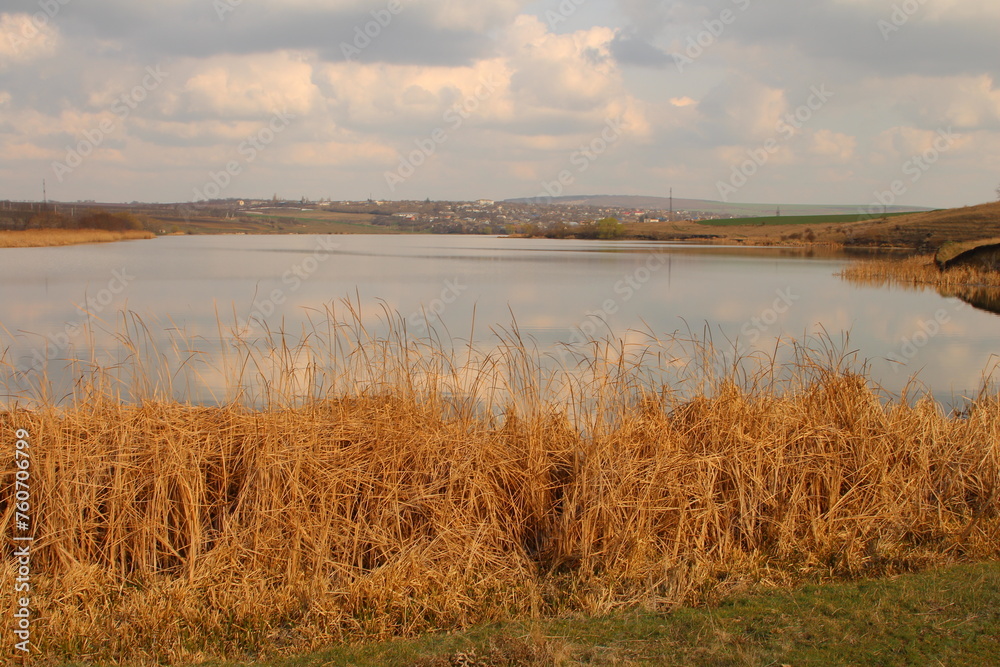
796	220
949	616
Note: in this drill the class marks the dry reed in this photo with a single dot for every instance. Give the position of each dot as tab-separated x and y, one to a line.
39	238
388	486
918	271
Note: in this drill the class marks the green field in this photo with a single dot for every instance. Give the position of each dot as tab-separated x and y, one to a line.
949	616
795	220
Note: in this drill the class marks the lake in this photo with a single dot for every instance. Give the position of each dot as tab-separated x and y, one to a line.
59	303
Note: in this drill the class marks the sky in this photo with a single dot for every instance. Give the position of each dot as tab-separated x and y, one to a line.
864	102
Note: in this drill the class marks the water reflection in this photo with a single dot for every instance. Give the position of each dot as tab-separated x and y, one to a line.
192	295
982	298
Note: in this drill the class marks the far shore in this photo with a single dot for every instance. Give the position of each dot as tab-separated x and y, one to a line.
41	238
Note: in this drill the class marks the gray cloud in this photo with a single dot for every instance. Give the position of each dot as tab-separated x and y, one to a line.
636	51
196	30
557	87
850	34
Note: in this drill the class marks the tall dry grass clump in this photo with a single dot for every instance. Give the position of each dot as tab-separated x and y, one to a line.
408	486
918	271
40	238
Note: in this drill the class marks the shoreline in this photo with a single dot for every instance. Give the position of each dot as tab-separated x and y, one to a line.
53	238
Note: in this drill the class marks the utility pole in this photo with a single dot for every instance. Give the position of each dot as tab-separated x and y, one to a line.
45	197
671	204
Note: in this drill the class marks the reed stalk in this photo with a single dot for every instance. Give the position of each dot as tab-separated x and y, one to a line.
350	484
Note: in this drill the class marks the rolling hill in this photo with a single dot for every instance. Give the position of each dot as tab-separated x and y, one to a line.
703	205
933	228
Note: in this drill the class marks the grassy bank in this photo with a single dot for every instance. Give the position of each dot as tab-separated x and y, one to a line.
949	616
390	487
792	220
39	238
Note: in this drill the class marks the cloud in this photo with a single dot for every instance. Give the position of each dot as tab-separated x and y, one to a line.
418	31
526	94
568	72
933	40
965	102
249	86
638	52
741	110
837	146
24	38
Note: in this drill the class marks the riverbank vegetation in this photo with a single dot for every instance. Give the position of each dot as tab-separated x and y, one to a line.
49	227
359	484
38	238
605	229
918	271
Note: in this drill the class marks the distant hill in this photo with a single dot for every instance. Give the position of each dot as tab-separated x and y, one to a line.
925	231
934	228
704	205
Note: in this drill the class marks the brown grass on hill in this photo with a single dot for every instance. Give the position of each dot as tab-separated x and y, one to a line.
39	238
917	271
436	488
928	230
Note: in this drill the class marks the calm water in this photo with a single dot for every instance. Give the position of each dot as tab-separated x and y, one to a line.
559	291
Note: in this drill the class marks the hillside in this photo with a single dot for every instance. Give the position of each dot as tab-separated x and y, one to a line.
702	205
930	229
925	231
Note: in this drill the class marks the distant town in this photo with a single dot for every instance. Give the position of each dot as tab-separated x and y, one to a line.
551	217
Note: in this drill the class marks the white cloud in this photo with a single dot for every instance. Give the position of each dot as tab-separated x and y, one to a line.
904	142
527	95
568	72
838	146
967	102
24	38
476	16
743	110
248	86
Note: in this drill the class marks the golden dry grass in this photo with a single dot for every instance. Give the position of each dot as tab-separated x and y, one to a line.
425	487
917	271
39	238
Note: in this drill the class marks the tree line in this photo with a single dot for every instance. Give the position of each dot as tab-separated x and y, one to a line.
605	228
51	219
